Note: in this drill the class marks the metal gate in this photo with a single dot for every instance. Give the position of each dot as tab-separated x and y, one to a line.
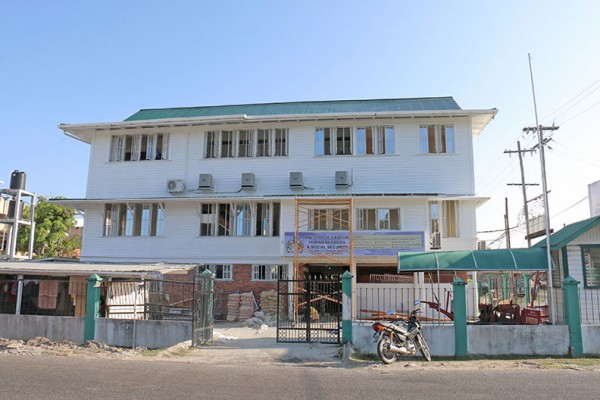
309	310
202	313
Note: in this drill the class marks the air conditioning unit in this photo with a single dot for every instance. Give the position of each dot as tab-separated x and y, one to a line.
175	186
481	245
206	182
296	181
248	181
436	241
342	179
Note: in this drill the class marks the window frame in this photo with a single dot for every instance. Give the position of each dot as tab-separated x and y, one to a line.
269	272
133	220
239	219
590	282
373	220
328	219
437	139
224	270
139	147
246	143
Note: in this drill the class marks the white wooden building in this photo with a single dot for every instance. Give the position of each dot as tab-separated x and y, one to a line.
219	185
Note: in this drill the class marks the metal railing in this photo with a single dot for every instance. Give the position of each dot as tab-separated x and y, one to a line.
589	306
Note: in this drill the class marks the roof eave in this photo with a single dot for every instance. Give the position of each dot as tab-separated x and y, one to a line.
84	132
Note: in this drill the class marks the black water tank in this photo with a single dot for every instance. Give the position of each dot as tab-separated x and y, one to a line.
17	180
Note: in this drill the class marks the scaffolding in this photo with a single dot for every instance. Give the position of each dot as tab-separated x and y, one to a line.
333	214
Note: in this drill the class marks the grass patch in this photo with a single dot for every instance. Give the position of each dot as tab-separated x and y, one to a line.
150	353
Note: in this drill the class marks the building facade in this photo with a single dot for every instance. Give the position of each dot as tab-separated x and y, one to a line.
261	191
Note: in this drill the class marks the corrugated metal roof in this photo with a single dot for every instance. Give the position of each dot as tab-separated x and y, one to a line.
301	108
86	269
569	233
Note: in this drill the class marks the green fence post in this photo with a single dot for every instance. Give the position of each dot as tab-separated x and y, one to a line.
92	306
490	296
572	315
460	318
346	307
527	288
504	286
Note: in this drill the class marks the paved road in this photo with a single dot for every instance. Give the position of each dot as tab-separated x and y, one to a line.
49	377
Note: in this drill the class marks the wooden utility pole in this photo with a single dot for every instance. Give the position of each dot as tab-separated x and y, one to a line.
523	187
506	224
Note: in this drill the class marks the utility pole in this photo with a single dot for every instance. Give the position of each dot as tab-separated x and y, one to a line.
523	187
506	224
540	131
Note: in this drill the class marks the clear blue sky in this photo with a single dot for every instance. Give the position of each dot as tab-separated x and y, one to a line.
85	62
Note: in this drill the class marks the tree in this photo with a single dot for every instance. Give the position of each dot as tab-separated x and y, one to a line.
53	224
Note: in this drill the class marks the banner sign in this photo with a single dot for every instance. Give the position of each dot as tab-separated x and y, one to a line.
387	243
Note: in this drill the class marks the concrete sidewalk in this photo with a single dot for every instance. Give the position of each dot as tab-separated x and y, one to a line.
235	343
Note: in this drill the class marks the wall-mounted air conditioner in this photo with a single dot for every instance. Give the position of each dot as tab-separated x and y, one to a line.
436	241
481	245
175	186
205	182
296	180
342	179
248	181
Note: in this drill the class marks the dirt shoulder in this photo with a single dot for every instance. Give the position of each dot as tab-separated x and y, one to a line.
234	343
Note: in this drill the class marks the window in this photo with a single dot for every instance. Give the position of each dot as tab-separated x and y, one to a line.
139	147
137	219
212	145
329	219
373	219
269	272
263	143
239	219
450	214
443	217
330	141
222	272
246	143
436	139
281	148
375	140
227	143
591	266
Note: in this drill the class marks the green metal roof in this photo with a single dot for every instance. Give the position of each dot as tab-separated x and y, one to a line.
300	108
569	233
531	259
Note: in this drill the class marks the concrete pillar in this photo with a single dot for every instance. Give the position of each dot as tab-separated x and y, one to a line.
572	315
346	307
92	306
460	318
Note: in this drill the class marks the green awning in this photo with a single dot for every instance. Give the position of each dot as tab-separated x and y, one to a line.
532	259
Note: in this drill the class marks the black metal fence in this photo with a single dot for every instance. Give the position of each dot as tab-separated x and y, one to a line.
309	310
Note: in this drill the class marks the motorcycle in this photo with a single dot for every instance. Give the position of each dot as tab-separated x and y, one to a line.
400	338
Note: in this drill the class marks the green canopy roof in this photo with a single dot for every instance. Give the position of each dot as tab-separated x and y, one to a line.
302	107
532	259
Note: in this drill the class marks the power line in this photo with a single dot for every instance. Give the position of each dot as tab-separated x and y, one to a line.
572	99
571	206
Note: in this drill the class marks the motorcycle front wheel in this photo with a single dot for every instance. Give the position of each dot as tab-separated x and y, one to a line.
424	347
383	349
